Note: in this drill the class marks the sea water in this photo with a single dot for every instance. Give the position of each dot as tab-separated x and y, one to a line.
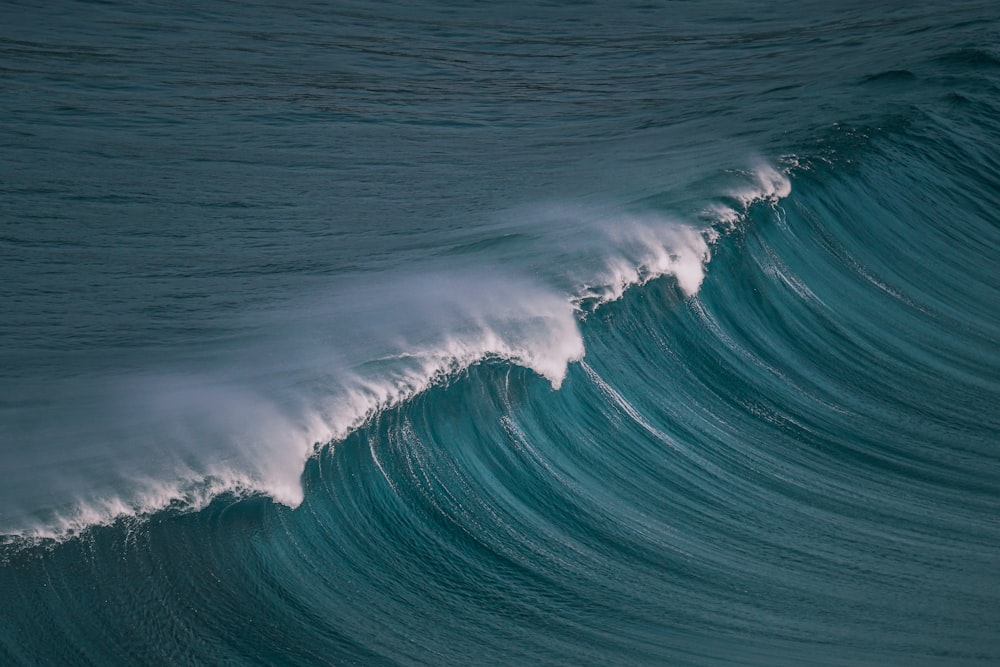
462	333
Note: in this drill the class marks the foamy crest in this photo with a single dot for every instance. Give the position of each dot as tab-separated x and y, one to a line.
198	438
329	363
208	435
771	186
184	495
534	328
646	248
639	248
763	184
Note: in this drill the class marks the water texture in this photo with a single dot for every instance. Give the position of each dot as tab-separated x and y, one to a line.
464	333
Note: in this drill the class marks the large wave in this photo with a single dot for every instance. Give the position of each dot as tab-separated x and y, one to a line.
307	381
753	422
795	448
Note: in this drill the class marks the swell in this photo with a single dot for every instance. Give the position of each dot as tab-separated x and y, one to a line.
801	454
262	413
409	334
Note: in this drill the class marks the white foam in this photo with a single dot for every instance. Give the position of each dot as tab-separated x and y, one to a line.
537	330
183	494
640	248
206	434
314	386
646	248
763	184
768	185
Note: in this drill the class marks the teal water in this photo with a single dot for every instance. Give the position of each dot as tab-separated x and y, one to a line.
462	334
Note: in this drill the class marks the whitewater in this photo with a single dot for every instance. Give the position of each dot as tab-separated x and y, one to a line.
426	332
392	334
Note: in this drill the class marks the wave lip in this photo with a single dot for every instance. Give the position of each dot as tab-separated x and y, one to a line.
644	247
428	329
407	334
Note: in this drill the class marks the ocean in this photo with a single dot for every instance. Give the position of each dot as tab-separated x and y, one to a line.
458	333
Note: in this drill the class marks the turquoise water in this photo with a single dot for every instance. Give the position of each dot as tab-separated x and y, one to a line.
463	334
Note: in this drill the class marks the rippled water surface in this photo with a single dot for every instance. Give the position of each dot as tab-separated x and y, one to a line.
455	333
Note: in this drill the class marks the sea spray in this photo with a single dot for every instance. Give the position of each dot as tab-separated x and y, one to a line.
407	333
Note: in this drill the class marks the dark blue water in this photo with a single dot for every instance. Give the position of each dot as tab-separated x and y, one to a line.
449	334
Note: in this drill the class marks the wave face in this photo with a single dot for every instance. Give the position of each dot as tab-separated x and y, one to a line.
527	335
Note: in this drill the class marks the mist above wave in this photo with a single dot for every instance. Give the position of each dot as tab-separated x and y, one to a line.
246	419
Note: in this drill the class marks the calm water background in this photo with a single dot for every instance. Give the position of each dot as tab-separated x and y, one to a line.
455	333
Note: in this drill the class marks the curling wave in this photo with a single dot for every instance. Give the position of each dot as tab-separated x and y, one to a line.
426	329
